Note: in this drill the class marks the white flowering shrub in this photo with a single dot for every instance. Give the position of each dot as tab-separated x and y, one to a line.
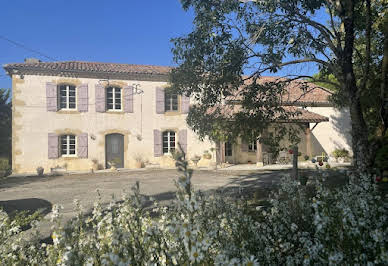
344	226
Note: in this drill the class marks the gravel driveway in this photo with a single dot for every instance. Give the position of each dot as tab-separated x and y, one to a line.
32	192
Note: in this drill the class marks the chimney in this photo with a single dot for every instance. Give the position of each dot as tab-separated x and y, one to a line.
31	60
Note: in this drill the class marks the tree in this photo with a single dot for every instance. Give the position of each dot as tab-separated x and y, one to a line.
232	38
5	123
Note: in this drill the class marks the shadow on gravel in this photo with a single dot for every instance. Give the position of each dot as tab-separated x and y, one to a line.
30	205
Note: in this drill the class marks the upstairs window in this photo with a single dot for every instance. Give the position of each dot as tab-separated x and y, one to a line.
171	102
113	98
168	142
67	98
68	145
252	146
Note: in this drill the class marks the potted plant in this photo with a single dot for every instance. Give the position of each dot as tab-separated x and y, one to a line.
306	157
95	164
139	162
196	159
340	155
40	171
206	155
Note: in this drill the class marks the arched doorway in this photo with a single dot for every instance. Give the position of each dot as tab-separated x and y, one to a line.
114	150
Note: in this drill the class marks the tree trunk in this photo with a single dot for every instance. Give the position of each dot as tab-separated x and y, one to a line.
361	154
295	162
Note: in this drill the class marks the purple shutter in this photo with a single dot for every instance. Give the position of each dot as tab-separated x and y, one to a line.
128	99
82	145
185	104
83	98
160	101
244	146
51	97
158	149
53	146
100	98
182	139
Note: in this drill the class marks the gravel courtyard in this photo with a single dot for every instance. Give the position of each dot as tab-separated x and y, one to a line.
33	192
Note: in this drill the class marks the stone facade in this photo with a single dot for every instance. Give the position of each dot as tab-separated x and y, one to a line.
32	123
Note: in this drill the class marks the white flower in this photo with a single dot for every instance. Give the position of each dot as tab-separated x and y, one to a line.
251	261
195	255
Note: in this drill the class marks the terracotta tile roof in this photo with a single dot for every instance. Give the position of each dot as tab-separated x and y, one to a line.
296	91
80	66
303	115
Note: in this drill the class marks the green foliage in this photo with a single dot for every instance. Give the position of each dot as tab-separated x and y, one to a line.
340	153
5	122
381	160
300	225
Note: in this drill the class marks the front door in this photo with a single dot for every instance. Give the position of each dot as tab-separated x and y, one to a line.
114	148
229	152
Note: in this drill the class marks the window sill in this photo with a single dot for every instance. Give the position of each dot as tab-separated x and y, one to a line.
115	112
172	113
69	157
68	111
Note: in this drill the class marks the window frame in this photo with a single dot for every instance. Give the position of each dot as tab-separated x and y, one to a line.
114	99
228	149
67	99
252	146
68	154
168	98
169	147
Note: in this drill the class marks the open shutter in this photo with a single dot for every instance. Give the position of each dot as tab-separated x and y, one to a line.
53	146
100	98
158	149
82	145
160	100
182	139
51	97
83	98
244	146
185	104
128	99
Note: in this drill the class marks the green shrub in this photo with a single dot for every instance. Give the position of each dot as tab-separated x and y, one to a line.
381	159
343	226
340	153
4	165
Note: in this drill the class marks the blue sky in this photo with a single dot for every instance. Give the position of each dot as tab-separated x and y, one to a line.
134	32
117	31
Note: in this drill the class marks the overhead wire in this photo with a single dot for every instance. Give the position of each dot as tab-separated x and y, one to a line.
25	47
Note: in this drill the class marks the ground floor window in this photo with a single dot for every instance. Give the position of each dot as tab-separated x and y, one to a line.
228	149
252	146
67	145
168	141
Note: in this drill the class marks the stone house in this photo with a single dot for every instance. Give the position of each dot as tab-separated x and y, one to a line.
75	115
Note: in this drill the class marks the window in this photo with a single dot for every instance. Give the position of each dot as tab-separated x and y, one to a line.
67	97
67	145
168	141
228	148
113	97
171	102
252	146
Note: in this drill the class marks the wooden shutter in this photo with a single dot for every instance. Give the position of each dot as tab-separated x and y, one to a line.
83	98
244	146
182	139
160	100
128	99
185	104
158	148
51	97
100	98
53	146
82	145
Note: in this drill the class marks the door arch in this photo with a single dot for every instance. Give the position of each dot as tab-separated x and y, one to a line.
114	150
